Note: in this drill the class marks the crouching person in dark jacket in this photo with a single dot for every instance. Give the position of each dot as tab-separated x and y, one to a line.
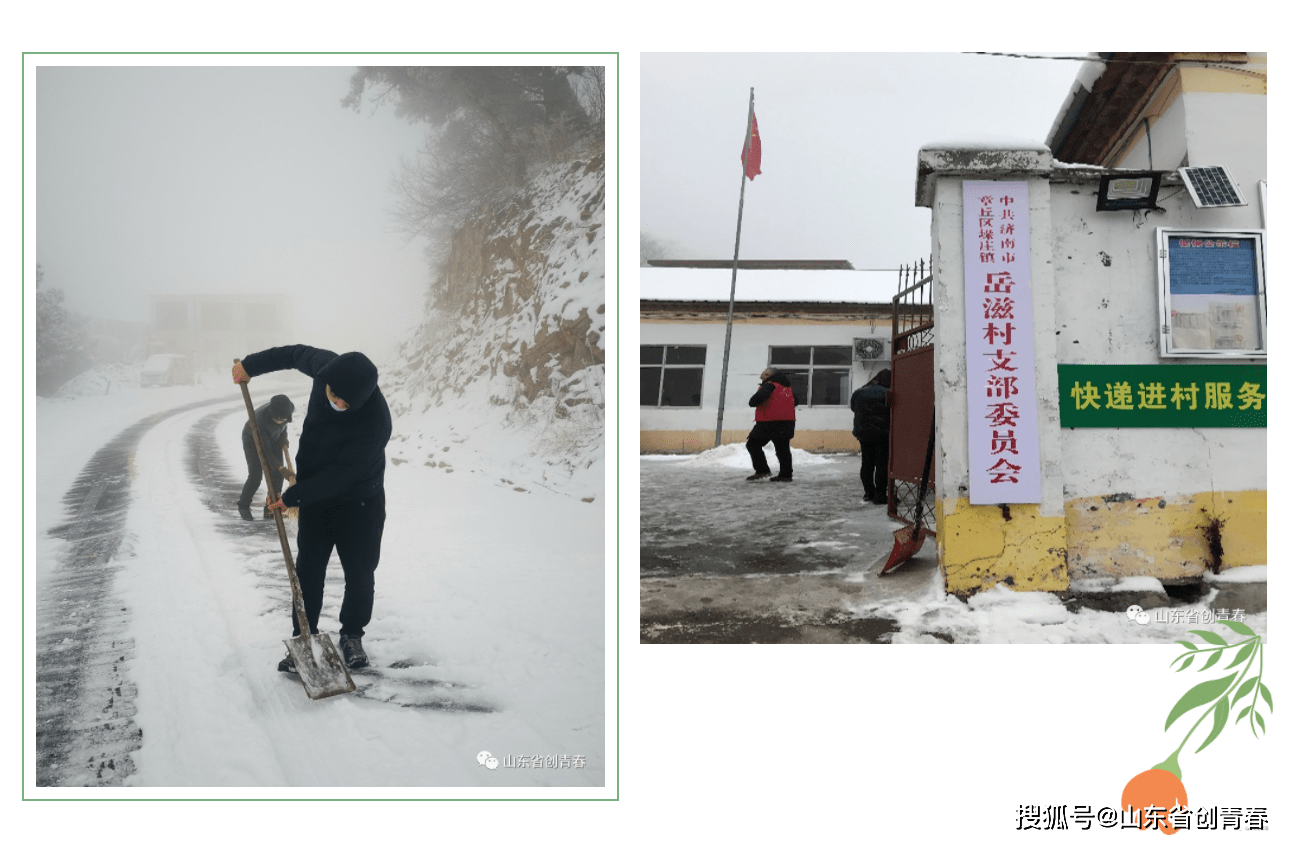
272	419
339	489
774	402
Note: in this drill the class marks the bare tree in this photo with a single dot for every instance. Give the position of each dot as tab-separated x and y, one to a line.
489	125
60	339
589	86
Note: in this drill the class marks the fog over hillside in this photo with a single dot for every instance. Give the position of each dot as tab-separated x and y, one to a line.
517	340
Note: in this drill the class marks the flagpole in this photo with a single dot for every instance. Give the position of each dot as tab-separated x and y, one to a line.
734	269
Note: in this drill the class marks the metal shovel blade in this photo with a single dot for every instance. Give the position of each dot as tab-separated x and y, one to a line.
906	543
320	666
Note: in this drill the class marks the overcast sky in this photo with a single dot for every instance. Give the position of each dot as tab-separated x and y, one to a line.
211	180
840	137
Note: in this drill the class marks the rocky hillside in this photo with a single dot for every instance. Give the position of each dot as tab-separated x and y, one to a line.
505	374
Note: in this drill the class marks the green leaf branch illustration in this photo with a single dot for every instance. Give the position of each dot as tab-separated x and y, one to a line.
1220	695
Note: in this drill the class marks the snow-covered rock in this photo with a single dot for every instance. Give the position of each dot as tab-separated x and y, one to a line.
506	370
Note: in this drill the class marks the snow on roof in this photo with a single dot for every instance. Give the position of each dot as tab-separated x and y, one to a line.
699	285
988	143
1087	75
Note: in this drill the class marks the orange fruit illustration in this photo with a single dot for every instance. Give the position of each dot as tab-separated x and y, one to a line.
1156	788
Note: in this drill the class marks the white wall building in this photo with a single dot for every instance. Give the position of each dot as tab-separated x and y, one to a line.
214	329
1123	494
807	322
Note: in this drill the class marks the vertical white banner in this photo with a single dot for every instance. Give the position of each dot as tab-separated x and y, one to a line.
1004	451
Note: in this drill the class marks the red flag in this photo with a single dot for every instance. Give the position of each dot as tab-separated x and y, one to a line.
754	153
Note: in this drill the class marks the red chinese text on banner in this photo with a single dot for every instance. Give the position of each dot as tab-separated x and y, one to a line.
1004	444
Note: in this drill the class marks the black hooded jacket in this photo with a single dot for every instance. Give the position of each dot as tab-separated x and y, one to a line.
870	412
340	453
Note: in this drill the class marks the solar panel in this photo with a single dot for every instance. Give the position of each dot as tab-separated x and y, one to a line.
1211	187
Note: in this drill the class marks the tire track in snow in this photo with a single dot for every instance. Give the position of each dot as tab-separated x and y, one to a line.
84	698
217	489
412	682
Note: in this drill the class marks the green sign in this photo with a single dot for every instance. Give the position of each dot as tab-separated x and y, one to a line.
1162	396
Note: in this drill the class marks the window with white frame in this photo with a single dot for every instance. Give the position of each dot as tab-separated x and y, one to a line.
820	375
672	376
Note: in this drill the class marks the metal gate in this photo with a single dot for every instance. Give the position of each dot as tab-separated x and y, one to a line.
912	395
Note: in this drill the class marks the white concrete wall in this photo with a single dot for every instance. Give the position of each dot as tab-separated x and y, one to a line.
749	351
1230	129
1106	289
1167	138
1095	296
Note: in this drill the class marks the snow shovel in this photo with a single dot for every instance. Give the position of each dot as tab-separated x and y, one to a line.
908	541
318	663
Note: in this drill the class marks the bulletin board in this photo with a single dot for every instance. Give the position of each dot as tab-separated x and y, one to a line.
1212	293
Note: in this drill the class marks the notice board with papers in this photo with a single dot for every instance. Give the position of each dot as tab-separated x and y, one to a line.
1212	293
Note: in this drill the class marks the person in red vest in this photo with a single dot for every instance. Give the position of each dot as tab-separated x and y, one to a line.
774	402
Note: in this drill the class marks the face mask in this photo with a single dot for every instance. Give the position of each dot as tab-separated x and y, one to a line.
335	407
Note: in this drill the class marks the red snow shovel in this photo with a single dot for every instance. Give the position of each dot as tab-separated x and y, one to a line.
908	541
318	663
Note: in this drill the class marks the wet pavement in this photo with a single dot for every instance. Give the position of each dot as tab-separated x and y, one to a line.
724	560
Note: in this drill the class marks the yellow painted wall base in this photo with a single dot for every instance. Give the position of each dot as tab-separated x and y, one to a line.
689	442
1119	536
1113	536
978	548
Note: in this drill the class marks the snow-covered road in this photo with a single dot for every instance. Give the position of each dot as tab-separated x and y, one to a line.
723	560
162	615
84	698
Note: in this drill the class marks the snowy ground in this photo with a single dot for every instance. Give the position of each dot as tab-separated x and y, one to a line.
712	510
490	602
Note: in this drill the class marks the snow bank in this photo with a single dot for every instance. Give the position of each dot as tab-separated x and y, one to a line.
735	455
1002	615
1132	584
101	380
1238	575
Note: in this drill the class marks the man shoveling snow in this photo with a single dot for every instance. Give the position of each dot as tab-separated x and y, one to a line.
339	489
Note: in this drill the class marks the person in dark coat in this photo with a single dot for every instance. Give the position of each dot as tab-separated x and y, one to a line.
775	417
339	490
870	427
272	421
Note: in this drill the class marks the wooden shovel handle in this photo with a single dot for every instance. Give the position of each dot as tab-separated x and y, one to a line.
287	461
298	607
